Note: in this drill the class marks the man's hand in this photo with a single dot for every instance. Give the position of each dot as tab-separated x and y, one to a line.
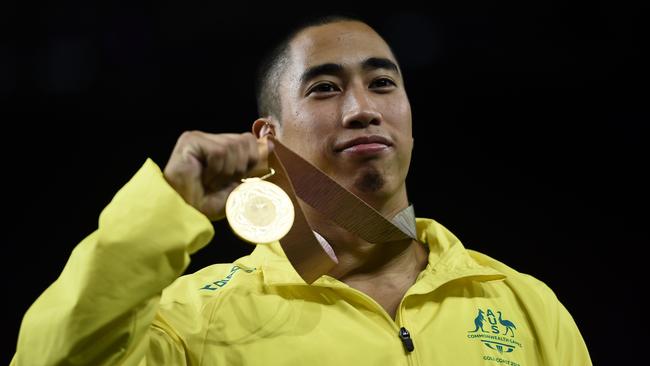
204	168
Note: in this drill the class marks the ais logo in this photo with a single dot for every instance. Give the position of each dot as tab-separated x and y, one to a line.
494	331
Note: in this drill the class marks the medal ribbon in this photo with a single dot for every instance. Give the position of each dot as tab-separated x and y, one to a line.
305	183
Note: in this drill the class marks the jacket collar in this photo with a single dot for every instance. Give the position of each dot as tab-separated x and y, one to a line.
448	260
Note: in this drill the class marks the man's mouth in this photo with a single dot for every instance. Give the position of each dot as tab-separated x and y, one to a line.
364	145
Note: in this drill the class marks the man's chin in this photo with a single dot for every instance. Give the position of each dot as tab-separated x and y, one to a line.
369	181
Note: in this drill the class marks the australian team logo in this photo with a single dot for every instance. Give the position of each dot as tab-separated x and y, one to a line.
494	331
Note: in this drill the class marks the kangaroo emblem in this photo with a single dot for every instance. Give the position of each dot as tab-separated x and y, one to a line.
478	322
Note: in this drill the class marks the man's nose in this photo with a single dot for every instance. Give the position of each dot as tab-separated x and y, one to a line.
359	110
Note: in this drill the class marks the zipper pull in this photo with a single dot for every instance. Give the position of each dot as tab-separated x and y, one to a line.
406	339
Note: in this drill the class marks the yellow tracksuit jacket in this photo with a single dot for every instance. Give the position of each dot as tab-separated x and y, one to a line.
120	301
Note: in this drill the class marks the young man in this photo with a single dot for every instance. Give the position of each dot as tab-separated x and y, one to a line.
334	94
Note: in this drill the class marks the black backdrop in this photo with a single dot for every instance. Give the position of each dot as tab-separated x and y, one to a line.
528	120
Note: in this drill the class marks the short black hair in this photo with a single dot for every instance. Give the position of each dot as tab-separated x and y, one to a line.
274	63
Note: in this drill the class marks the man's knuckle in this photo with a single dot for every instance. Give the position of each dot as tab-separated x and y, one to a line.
187	136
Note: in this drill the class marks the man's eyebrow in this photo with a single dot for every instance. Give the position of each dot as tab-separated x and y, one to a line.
373	63
322	69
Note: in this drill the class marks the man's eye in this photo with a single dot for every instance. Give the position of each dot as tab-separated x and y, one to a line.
323	88
382	83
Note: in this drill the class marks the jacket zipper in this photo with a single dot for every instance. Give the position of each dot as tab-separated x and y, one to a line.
405	336
400	329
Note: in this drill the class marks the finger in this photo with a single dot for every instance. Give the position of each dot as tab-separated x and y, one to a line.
229	159
250	145
213	203
242	156
262	149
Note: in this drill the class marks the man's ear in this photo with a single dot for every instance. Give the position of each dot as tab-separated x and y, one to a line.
263	127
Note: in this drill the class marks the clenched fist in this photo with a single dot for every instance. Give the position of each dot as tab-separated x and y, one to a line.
204	168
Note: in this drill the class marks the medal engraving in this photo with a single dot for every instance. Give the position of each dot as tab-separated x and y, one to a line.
259	211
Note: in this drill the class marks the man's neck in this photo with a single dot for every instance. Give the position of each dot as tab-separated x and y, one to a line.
384	272
359	260
395	262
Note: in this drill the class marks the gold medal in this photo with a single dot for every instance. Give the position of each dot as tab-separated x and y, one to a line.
259	211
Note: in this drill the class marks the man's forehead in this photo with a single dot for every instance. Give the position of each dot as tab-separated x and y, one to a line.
341	42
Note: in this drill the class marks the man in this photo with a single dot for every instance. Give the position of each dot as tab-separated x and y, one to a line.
334	93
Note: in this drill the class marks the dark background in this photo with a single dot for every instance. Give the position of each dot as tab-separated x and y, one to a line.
529	122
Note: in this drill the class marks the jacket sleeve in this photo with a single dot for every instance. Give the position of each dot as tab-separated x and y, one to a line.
101	308
571	347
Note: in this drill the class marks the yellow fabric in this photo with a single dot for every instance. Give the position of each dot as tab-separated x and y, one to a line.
120	301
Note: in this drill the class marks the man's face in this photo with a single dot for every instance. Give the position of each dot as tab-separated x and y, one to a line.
344	108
